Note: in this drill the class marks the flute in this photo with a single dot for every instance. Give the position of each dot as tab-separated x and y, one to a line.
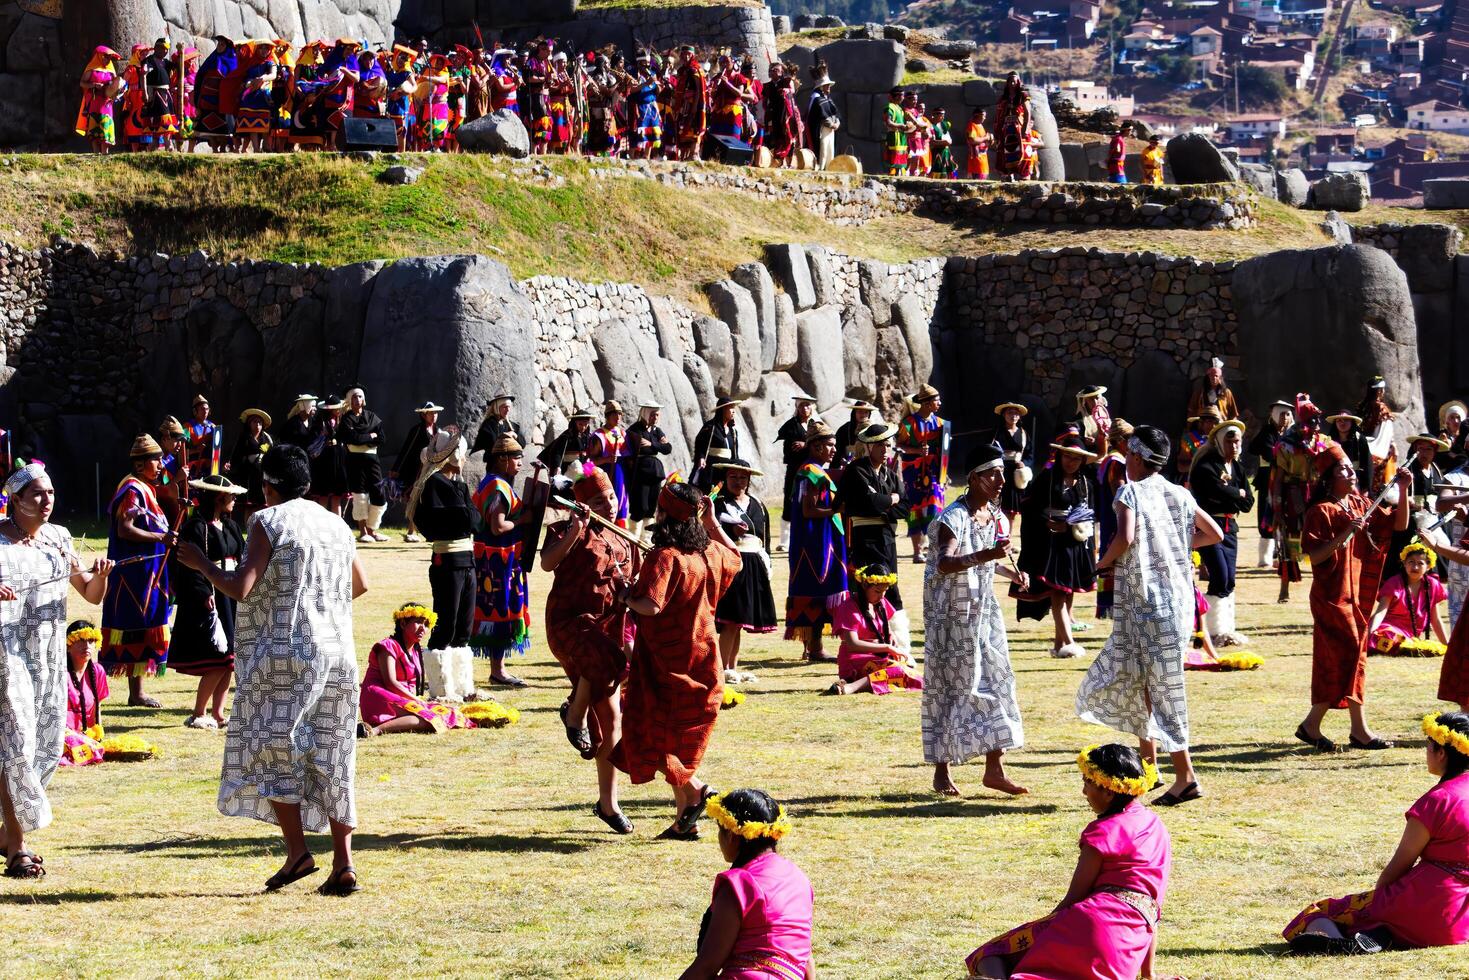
596	518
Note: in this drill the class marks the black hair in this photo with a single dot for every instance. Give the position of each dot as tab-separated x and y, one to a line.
1457	762
287	468
80	624
747	805
1119	762
1155	440
687	536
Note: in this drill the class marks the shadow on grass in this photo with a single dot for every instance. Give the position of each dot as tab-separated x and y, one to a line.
91	897
193	847
1272	950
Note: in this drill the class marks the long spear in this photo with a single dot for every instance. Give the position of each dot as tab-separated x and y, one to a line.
596	518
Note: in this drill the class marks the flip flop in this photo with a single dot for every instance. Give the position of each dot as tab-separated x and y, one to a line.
1320	743
673	833
1375	744
507	680
295	872
1189	794
617	821
335	886
689	819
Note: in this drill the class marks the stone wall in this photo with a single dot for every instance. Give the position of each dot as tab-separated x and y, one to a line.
1196	206
38	74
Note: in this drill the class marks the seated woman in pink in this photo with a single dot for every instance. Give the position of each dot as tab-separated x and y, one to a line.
1107	925
1422	896
392	691
758	926
869	660
86	689
1408	606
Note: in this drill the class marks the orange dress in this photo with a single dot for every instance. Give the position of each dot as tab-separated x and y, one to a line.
1339	642
673	689
585	626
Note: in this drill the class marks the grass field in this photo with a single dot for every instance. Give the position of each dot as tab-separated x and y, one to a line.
480	856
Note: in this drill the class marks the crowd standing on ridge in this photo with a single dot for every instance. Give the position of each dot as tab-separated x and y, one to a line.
243	565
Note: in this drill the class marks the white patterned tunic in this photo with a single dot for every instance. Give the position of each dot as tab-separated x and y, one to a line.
1458	577
292	734
969	705
33	671
1152	622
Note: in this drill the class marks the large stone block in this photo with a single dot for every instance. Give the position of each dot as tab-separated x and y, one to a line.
713	343
864	66
755	278
981	92
875	289
1292	187
859	352
1426	255
501	132
1194	159
702	381
1444	193
762	416
35	45
348	293
818	367
21	122
1293	304
1048	157
1074	161
670	341
857	120
785	332
1260	177
1340	192
910	316
734	305
823	275
789	267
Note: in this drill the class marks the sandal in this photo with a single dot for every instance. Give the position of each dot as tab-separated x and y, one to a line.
1189	794
364	730
1320	743
335	886
837	688
295	872
23	864
673	833
507	680
1374	744
581	740
145	702
617	821
688	820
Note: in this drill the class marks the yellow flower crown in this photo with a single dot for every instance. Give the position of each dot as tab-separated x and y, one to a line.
84	633
1127	787
862	575
1196	558
1418	548
1444	735
415	611
750	829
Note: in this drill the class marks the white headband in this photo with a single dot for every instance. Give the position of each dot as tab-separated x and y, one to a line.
1150	456
992	464
23	477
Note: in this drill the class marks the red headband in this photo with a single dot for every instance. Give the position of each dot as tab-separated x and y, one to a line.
674	506
1330	457
590	487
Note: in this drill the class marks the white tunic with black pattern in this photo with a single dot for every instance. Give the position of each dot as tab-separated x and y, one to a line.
33	671
293	733
969	704
1152	622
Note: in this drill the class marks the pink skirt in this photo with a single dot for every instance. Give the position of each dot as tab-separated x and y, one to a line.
1428	906
884	673
80	750
380	705
1102	936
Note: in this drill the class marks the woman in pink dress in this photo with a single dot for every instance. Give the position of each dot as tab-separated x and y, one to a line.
392	690
758	926
1107	925
86	689
1422	896
869	659
1408	606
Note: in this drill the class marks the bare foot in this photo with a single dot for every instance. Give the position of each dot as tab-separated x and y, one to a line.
1003	784
943	784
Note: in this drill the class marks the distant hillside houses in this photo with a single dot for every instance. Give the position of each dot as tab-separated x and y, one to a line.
1204	40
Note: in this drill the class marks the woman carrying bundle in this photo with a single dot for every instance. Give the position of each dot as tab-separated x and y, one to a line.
1107	923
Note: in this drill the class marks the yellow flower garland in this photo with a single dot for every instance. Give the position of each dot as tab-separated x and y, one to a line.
1239	661
864	578
85	633
128	748
750	829
1418	547
732	698
1127	787
490	714
1444	735
414	610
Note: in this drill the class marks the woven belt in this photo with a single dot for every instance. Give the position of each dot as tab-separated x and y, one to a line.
1143	903
453	547
772	962
362	449
1460	871
869	521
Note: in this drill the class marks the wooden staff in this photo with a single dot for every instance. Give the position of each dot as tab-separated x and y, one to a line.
178	522
61	578
1377	500
596	518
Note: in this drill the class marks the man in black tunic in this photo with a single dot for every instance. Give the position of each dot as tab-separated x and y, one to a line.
716	442
872	503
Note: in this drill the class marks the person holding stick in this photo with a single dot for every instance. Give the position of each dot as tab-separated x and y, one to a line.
136	608
1340	530
36	563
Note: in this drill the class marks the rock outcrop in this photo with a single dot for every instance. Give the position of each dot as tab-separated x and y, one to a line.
1194	159
1348	192
501	132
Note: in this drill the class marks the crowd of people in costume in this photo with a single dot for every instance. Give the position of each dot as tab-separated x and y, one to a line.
243	566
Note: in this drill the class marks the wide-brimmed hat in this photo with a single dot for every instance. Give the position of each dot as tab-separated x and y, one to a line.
428	406
824	81
1429	437
580	413
925	394
801	396
819	430
258	413
502	398
650	404
170	426
728	403
1225	425
507	445
1344	414
331	404
144	447
861	403
1091	391
1378	382
738	465
1447	407
876	432
199	400
1074	446
217	483
1000	408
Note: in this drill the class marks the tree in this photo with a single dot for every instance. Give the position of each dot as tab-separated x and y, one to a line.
1260	88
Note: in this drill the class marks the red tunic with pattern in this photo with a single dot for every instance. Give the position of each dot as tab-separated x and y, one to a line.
1453	678
584	623
673	688
1339	643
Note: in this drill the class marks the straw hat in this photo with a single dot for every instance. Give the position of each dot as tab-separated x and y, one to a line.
199	400
738	465
611	406
1000	408
580	413
217	484
1429	437
258	413
1344	414
819	430
1447	407
728	403
428	406
876	432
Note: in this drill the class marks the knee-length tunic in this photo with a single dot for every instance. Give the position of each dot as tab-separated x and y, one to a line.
33	683
501	595
969	703
584	622
135	608
1142	661
1339	640
292	733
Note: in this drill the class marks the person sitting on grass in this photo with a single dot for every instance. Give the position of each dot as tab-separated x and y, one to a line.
1422	896
86	689
869	659
1408	604
392	691
758	924
1107	923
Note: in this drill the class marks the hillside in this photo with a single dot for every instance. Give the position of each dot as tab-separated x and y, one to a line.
563	217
